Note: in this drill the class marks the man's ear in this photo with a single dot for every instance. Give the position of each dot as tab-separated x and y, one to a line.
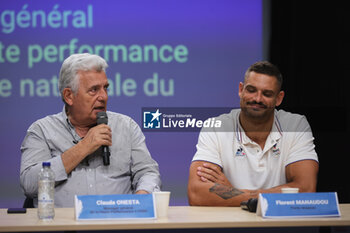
279	98
68	96
240	88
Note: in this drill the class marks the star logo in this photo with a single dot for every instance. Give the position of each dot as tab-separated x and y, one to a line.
156	115
151	120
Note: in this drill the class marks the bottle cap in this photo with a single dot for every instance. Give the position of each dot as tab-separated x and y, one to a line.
46	164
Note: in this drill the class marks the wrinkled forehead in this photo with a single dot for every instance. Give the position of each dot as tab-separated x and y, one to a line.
92	77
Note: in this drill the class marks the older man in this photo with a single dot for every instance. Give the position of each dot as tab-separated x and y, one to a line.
260	149
72	141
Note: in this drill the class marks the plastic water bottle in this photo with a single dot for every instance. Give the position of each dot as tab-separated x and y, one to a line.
46	192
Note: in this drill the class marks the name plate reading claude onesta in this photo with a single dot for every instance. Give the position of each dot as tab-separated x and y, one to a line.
118	206
294	205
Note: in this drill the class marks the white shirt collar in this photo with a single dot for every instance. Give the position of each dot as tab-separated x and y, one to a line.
275	134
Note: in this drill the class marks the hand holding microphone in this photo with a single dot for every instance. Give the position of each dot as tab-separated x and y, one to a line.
102	118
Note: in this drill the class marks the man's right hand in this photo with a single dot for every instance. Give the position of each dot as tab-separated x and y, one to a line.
97	136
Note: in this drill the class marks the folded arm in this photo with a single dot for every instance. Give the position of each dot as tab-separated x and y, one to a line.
208	186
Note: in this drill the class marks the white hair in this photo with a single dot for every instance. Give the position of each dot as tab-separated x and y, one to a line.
69	77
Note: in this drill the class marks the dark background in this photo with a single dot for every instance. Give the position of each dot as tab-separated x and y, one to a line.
309	42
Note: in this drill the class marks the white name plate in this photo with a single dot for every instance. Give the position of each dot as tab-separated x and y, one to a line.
118	206
298	205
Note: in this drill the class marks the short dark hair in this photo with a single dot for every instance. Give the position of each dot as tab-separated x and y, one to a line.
265	67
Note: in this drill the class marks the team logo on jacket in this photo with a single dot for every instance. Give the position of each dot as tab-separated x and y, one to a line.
276	151
240	152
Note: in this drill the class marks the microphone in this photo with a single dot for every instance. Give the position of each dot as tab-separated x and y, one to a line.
103	119
250	205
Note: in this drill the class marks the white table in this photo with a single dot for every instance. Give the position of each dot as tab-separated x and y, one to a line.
179	217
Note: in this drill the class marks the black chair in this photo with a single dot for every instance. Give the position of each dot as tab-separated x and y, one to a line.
28	203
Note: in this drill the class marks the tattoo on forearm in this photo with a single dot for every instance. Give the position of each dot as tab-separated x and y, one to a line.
224	191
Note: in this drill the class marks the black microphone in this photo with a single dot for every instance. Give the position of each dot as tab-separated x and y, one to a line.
250	205
103	119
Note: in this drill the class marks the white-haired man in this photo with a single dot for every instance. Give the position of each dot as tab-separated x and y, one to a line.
72	141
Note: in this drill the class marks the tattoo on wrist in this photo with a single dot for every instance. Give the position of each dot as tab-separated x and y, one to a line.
224	191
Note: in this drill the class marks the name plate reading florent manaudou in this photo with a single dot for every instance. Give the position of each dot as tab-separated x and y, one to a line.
294	205
119	206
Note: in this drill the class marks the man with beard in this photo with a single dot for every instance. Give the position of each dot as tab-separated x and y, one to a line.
73	141
260	149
